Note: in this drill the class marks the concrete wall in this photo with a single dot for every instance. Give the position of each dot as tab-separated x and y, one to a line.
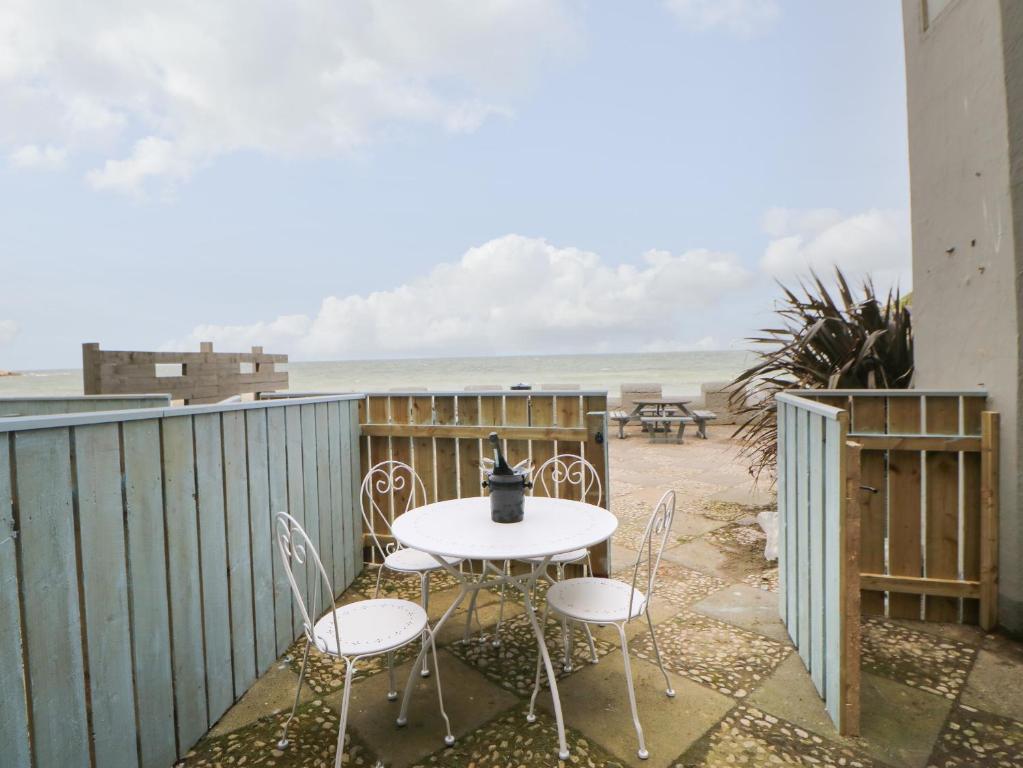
964	88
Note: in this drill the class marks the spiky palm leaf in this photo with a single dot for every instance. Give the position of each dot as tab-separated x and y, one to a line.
851	343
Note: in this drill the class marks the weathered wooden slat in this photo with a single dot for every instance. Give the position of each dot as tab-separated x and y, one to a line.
989	478
278	480
833	567
516	412
849	587
14	734
337	491
868	416
803	513
816	551
147	567
401	450
942	489
468	460
97	478
422	447
378	449
209	481
910	443
236	499
595	451
182	567
783	507
792	525
296	493
509	432
260	537
312	496
904	470
922	585
542	415
49	594
354	414
326	544
569	415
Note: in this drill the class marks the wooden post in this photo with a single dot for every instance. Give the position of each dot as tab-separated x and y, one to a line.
989	458
596	454
90	369
850	590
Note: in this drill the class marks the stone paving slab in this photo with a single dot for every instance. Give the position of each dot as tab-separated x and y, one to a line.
974	738
744	606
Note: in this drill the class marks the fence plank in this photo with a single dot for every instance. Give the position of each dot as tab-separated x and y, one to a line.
542	415
49	593
595	415
942	508
97	478
991	432
154	692
14	733
833	533
904	527
209	481
816	552
516	413
446	450
803	514
311	492
276	433
792	499
183	565
781	410
468	411
356	458
236	498
422	447
568	410
868	415
849	586
296	493
401	450
259	535
337	491
326	546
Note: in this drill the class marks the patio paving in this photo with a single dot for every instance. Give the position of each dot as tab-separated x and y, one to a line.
938	696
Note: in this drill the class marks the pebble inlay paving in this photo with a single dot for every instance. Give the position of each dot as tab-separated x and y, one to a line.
512	665
931	663
730	660
405	586
325	673
313	737
748	736
766	580
510	742
974	738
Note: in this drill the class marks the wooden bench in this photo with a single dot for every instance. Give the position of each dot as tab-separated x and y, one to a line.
699	418
622	418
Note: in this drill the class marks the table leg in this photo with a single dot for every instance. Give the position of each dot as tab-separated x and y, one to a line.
541	641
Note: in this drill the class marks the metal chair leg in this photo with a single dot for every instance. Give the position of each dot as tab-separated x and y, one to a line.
424	586
566	640
643	754
496	642
657	655
342	727
531	717
392	691
380	573
468	617
283	742
449	739
593	647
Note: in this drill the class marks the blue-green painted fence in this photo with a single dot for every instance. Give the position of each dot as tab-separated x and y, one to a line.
140	589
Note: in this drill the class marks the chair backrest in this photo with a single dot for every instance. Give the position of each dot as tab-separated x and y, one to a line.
389	489
633	392
655	537
567	469
295	546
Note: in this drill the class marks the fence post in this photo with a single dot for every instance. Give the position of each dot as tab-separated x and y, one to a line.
850	591
989	455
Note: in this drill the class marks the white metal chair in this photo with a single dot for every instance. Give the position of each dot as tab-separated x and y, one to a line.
557	472
352	632
381	482
609	601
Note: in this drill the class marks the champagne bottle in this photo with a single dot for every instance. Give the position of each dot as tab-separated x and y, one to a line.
500	465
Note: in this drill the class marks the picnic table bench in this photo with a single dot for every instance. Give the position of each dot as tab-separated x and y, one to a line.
699	418
664	411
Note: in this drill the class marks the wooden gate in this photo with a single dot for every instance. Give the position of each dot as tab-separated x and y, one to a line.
818	550
440	434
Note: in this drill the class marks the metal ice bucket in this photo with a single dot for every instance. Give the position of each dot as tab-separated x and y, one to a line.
507	496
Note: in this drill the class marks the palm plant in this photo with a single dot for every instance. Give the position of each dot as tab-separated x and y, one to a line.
853	343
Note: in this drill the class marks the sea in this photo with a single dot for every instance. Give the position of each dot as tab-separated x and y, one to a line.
679	373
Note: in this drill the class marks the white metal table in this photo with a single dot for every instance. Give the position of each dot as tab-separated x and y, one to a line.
462	528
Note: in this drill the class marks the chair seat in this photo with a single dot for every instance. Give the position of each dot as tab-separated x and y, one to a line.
409	560
595	600
370	627
574	556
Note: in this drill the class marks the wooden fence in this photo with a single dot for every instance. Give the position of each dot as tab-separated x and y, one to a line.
140	589
40	406
201	377
929	531
440	434
818	545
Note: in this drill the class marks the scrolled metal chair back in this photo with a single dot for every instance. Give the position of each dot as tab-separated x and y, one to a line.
571	470
378	502
296	547
655	537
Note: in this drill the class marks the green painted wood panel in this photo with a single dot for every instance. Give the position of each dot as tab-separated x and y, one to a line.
323	490
97	452
355	461
236	499
815	554
336	505
278	481
344	443
13	701
783	492
833	606
209	480
259	528
296	493
187	660
312	507
49	593
147	568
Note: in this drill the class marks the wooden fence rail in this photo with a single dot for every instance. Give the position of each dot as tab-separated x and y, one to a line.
818	547
441	435
140	590
930	506
41	406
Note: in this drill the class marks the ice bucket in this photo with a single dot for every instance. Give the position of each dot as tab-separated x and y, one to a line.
507	496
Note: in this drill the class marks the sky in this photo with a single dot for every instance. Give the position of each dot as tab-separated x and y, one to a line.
415	179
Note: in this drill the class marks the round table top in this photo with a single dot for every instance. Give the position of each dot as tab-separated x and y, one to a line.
463	528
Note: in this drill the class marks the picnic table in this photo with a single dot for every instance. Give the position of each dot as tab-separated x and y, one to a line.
655	412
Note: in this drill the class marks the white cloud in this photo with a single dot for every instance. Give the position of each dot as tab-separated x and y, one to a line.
8	330
511	295
33	156
157	89
745	18
875	242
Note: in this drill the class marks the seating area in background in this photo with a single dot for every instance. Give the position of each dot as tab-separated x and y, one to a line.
645	404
